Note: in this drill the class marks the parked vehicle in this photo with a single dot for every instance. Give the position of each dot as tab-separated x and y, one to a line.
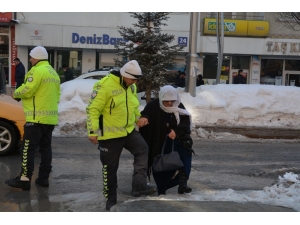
98	75
12	120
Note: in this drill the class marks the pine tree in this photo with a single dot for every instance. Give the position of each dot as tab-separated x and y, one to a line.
150	48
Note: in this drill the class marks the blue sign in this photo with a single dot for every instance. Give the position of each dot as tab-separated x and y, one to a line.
105	39
182	41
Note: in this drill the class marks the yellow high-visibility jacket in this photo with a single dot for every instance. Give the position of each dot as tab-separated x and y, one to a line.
40	94
113	109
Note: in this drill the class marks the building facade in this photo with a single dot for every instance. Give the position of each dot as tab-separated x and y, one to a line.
265	45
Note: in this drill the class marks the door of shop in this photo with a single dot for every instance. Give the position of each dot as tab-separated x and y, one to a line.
292	79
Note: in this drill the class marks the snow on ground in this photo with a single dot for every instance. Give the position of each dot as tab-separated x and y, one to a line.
223	105
286	193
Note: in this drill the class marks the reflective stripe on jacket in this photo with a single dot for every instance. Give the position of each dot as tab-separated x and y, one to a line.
113	109
40	94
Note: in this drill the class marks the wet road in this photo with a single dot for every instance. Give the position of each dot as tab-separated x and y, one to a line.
76	180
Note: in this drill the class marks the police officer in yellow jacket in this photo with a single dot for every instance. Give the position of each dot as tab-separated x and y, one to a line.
40	95
111	116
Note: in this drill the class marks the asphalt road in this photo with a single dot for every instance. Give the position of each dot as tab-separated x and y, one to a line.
76	180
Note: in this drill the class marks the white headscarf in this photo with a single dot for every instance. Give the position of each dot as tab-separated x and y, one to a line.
169	93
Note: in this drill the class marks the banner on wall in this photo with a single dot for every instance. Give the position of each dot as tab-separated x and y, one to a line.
5	17
13	55
255	78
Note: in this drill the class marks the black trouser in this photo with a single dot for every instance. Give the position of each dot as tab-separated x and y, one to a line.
37	135
110	151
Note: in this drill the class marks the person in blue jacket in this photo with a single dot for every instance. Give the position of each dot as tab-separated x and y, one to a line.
20	72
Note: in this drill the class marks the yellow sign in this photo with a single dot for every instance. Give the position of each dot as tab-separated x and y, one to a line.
223	77
238	27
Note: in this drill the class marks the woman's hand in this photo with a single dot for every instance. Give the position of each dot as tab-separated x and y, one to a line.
172	134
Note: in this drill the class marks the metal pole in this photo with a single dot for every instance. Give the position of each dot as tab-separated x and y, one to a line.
220	42
192	57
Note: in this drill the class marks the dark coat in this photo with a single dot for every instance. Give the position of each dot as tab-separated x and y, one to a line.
68	74
199	82
20	74
239	79
180	82
155	132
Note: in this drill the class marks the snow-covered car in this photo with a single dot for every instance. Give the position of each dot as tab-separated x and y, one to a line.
12	120
98	75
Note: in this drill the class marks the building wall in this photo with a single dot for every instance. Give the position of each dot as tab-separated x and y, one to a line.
282	29
57	29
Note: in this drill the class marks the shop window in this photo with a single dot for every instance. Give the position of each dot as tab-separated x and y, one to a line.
210	64
4	53
240	62
292	65
240	15
71	58
271	69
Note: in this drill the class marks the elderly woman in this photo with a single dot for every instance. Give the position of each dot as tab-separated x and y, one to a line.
166	116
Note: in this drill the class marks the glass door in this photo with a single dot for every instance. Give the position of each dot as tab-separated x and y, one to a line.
292	79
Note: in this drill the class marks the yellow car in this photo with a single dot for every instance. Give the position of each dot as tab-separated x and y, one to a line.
12	120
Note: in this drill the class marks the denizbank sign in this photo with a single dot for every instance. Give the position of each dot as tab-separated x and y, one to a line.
105	39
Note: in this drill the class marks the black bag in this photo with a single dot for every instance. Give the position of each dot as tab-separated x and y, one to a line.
167	162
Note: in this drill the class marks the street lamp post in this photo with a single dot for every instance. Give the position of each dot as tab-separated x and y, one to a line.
192	57
220	41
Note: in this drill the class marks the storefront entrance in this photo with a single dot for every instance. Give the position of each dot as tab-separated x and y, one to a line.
292	79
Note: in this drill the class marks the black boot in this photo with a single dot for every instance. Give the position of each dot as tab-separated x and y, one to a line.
111	201
19	182
183	188
139	191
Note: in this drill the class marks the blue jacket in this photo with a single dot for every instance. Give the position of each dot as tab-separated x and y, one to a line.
20	74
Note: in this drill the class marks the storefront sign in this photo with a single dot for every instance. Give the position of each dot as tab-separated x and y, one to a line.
283	47
5	17
105	39
238	27
255	78
14	53
36	35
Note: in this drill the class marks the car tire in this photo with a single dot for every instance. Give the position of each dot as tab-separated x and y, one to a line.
8	138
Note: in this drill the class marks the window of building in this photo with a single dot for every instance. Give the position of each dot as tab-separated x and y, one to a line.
4	51
71	58
270	70
292	65
210	64
240	62
240	15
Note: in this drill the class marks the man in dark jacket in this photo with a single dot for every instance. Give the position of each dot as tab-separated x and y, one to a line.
180	80
199	81
239	79
67	72
20	72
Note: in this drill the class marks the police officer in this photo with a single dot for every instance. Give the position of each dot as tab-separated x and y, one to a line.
40	95
111	116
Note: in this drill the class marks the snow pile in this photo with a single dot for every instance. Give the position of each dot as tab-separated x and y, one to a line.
286	193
